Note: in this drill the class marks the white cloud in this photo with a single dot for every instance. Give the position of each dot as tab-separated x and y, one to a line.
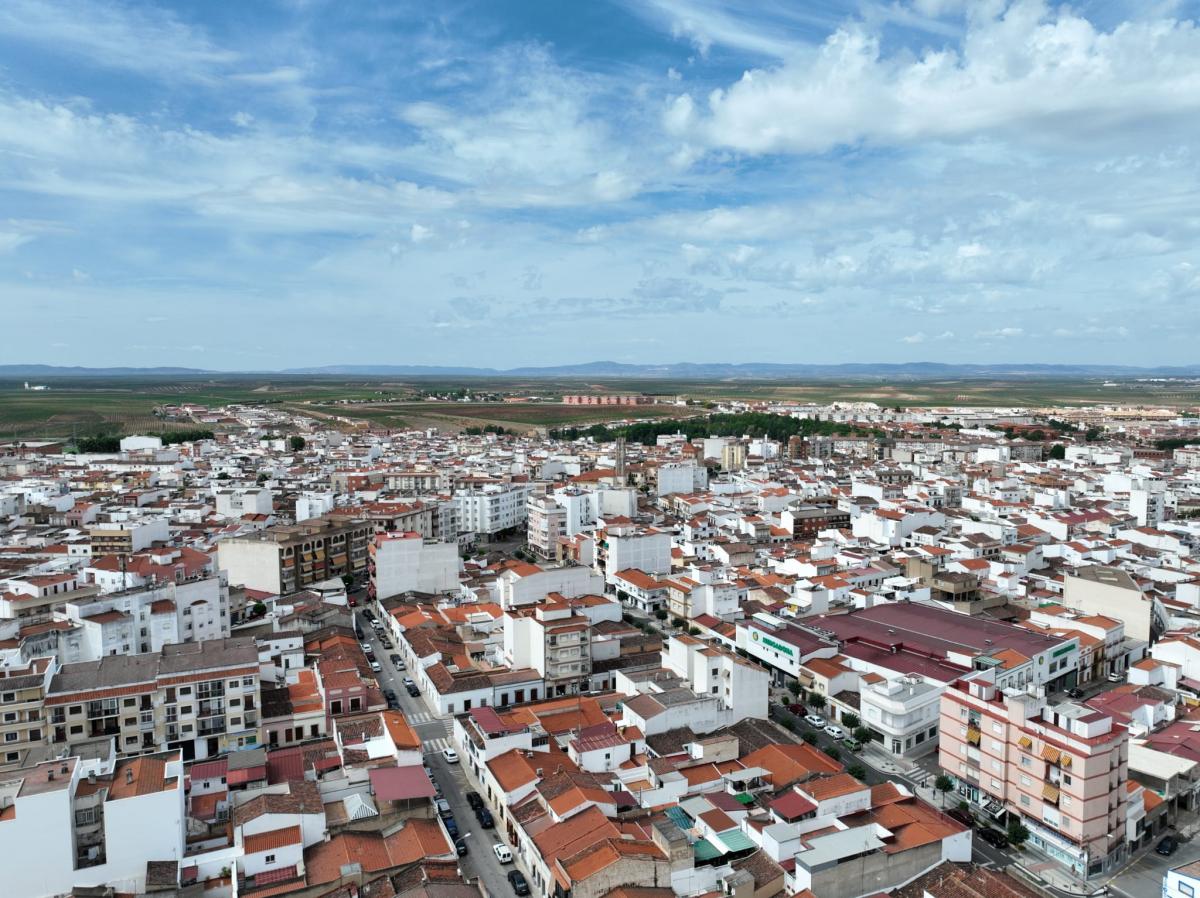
922	337
1000	333
1043	76
9	241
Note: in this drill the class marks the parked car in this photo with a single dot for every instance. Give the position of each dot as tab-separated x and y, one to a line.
451	827
393	704
365	646
517	880
397	661
412	690
408	681
1116	678
386	643
796	708
966	818
450	755
816	720
376	667
474	800
852	744
460	845
994	837
484	816
835	732
503	854
443	808
1074	693
1166	846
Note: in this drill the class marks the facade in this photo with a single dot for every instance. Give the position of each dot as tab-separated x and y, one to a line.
201	698
489	509
640	548
562	514
22	710
286	558
1061	769
127	536
406	562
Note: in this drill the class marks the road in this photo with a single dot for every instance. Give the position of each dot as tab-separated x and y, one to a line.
434	732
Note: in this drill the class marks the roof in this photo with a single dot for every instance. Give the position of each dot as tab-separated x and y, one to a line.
400	783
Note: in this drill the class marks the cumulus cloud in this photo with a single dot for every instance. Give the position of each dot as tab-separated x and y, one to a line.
1028	71
922	337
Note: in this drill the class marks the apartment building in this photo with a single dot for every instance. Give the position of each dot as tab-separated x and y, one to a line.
491	508
145	619
554	640
628	546
237	502
202	698
563	513
22	710
289	557
70	824
1061	769
806	521
124	537
405	562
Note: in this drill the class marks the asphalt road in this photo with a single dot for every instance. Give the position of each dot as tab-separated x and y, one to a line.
480	862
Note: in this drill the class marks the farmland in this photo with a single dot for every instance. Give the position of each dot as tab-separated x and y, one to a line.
83	405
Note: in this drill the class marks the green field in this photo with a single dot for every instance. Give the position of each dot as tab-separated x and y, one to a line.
80	405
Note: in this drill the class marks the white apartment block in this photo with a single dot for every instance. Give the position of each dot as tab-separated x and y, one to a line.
637	548
406	562
237	502
492	508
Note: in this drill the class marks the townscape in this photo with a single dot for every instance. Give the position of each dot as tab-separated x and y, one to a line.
907	651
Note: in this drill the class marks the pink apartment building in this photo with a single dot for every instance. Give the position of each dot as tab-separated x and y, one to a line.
1060	768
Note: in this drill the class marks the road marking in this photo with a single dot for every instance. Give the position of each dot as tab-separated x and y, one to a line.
436	744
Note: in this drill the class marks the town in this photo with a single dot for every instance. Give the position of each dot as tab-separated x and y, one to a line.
770	649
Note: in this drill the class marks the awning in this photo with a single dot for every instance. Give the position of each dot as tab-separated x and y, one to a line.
1049	792
1065	760
1050	753
1025	742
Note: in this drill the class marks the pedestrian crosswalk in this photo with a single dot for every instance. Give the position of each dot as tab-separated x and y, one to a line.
920	777
431	745
420	717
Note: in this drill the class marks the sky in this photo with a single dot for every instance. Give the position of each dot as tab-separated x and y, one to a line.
286	183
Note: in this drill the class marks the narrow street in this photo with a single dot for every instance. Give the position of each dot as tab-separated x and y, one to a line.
435	734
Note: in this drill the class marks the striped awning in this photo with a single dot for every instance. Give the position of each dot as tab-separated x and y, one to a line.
1049	792
1065	760
1051	754
1025	742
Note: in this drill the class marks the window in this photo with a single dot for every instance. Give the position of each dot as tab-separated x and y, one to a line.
8	697
12	756
1025	799
269	859
1185	889
10	737
129	702
131	740
35	735
1026	781
10	716
77	730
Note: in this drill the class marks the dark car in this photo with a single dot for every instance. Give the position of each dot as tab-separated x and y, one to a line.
412	690
963	817
517	880
389	693
484	816
1074	693
460	845
474	801
451	827
393	704
994	837
1166	846
797	708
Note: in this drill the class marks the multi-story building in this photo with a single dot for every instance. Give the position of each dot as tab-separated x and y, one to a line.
491	508
124	537
561	514
202	698
405	562
237	502
1182	881
286	558
806	521
628	546
145	619
553	640
1060	769
22	709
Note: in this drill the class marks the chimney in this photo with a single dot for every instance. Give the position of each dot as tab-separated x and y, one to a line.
129	774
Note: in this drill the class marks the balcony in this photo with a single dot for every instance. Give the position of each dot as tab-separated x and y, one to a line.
974	736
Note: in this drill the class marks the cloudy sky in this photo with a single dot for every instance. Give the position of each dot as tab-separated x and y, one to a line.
260	185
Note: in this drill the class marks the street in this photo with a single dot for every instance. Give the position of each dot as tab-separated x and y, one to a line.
481	862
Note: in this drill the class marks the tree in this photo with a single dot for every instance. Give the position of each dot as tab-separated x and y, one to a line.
943	784
1058	451
259	609
297	443
693	631
833	752
795	688
849	721
1017	833
862	734
661	614
677	622
816	700
810	738
857	771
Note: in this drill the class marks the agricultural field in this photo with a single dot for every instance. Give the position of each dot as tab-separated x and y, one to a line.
91	405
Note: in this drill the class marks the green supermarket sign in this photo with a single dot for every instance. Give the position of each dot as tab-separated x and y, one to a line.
772	644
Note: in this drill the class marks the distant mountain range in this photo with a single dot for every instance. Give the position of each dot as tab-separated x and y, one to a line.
680	371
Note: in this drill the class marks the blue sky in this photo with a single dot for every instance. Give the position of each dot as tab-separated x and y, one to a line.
262	185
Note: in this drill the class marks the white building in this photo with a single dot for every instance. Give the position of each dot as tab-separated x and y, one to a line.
406	562
492	508
640	548
902	712
238	502
1182	881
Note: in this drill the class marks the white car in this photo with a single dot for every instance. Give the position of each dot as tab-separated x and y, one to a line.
376	667
816	720
835	732
365	646
503	854
450	756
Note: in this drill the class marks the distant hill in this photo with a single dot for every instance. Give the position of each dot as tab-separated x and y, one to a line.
677	371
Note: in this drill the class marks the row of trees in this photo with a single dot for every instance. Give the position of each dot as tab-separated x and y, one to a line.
753	424
111	442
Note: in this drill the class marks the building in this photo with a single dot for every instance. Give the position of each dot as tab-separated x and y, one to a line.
1112	592
288	557
628	546
125	537
73	823
1182	881
406	562
237	502
200	698
562	514
1061	769
22	711
609	399
491	508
